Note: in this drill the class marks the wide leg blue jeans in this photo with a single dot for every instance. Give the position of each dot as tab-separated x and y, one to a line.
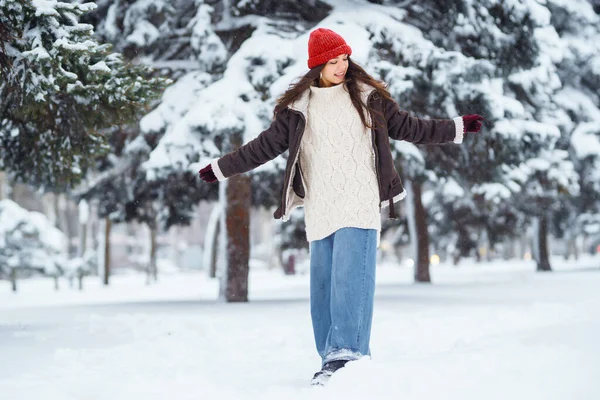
342	288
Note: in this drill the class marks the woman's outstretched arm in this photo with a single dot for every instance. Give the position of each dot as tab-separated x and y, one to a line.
270	143
403	126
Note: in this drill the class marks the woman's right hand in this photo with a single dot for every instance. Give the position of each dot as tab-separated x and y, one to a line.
207	174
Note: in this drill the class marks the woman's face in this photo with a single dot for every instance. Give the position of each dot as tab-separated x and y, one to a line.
334	71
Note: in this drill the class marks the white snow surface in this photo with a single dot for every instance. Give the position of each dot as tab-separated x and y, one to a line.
495	331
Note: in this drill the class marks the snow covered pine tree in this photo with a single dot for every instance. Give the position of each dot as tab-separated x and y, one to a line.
59	90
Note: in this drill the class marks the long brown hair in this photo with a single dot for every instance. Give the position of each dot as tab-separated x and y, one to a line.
354	75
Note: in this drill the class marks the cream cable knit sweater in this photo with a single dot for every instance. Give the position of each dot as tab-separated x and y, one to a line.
338	166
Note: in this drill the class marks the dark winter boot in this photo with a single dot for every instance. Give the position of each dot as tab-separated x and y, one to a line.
325	373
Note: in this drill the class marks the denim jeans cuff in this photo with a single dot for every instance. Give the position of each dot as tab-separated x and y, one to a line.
342	354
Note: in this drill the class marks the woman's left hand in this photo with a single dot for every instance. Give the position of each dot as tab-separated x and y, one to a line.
207	174
472	123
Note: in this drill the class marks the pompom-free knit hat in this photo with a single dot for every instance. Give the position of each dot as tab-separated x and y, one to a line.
323	45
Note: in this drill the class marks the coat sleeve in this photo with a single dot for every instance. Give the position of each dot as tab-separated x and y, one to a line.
402	126
270	143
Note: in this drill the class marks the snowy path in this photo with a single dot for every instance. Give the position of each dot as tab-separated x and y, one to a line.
491	332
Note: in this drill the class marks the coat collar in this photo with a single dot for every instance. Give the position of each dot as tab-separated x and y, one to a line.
301	103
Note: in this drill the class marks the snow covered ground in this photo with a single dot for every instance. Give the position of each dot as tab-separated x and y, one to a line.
489	331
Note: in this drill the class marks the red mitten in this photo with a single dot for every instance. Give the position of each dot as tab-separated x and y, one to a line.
207	174
472	123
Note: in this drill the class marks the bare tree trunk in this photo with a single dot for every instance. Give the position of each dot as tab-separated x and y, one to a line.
94	235
418	231
5	188
478	255
543	262
13	279
152	268
131	240
83	209
490	247
213	257
523	245
55	218
571	247
211	241
66	218
289	268
95	228
82	239
107	227
237	224
236	194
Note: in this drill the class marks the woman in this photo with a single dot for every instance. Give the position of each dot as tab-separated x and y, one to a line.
336	122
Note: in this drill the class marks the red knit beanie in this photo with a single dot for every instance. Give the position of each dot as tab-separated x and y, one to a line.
323	45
